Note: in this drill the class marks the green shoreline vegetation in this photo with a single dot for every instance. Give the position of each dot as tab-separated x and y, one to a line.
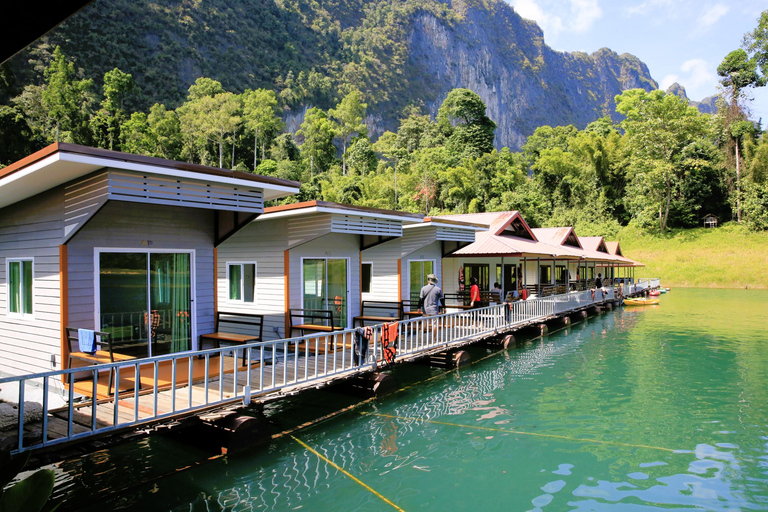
729	256
660	169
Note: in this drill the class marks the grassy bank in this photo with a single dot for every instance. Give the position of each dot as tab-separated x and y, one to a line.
724	257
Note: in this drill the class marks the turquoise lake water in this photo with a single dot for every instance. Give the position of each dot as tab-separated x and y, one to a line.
639	409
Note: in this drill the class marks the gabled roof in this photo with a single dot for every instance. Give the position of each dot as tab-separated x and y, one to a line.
565	236
508	235
309	207
614	248
594	243
60	163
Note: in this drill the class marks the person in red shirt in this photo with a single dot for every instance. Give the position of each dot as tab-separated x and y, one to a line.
474	293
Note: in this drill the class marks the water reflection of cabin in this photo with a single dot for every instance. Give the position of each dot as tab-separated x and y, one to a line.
398	269
304	256
544	261
103	240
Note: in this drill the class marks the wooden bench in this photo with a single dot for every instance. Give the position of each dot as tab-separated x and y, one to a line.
413	309
312	320
395	307
105	352
235	328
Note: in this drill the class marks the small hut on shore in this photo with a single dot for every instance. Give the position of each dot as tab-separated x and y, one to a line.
710	221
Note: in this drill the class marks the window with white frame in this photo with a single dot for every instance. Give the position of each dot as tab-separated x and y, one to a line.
20	272
242	282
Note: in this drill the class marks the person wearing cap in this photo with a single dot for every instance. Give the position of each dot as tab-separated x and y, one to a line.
431	297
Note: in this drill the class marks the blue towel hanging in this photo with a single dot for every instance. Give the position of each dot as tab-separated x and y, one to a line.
86	340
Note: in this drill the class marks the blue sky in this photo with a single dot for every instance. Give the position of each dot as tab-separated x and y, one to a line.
679	40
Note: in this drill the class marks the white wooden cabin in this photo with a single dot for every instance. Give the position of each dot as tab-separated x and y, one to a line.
398	268
99	239
303	256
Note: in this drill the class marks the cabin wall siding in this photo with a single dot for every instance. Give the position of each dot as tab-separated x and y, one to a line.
32	229
429	251
383	258
304	228
331	246
263	243
142	227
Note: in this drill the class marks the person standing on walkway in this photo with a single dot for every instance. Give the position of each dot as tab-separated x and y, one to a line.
474	293
431	297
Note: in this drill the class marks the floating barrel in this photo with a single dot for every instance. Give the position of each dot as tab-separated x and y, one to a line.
371	384
449	359
499	342
239	433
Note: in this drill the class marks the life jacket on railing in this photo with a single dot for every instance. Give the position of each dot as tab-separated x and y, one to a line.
389	342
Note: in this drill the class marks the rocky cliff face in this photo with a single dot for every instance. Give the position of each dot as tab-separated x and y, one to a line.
397	52
524	83
706	106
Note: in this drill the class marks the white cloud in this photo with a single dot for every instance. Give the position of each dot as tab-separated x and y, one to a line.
667	81
648	7
529	9
586	12
549	14
712	15
699	73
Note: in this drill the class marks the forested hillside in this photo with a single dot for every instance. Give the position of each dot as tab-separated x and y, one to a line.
397	105
395	52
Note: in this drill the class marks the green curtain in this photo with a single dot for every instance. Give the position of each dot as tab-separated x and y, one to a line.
14	280
27	283
180	304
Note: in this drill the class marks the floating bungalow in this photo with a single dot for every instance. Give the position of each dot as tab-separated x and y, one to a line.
170	264
306	256
544	261
108	241
398	268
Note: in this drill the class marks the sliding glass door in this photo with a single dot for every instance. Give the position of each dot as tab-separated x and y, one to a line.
418	270
324	286
145	301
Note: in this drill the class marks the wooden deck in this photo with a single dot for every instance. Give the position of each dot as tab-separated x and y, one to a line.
144	406
192	383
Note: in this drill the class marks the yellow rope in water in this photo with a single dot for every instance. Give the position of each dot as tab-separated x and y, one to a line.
509	431
350	475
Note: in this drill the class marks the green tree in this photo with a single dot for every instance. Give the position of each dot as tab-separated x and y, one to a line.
348	116
360	157
204	87
737	71
284	148
155	134
107	121
316	137
260	116
658	127
211	119
462	117
67	100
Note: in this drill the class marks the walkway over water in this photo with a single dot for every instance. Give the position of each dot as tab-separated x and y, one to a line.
189	383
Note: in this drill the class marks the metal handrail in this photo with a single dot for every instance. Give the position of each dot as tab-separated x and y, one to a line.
299	361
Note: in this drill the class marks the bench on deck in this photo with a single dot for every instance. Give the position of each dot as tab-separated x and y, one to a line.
235	328
413	309
312	320
394	308
105	352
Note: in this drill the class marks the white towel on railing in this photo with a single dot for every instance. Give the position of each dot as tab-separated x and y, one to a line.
86	340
